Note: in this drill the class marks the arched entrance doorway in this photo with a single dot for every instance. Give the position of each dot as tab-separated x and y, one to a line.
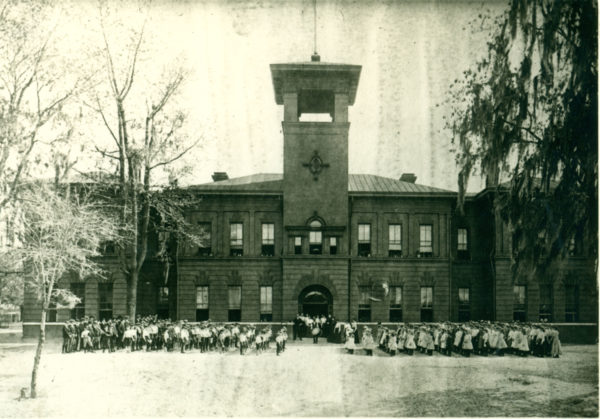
315	300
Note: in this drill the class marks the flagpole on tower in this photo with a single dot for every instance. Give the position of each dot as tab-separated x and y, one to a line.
315	56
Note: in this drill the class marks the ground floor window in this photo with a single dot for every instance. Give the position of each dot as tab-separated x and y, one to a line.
464	305
201	303
520	303
546	302
266	304
426	304
163	303
51	312
235	304
78	289
571	303
395	304
364	304
105	300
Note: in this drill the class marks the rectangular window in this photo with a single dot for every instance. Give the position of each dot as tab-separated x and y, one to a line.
333	245
315	242
546	302
425	240
268	239
266	304
201	303
426	304
78	289
364	240
105	300
571	303
162	307
464	305
395	304
236	242
51	312
520	303
235	304
298	245
364	304
462	244
204	234
574	249
108	248
395	240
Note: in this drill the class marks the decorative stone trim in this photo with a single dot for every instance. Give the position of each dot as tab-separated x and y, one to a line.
427	279
234	279
267	278
315	279
201	279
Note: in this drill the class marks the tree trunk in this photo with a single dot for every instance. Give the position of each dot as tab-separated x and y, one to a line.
132	294
38	354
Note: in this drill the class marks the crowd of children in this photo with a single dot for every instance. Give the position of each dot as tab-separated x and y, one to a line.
481	338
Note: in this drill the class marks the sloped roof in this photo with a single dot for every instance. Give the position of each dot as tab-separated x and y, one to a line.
357	183
260	182
380	184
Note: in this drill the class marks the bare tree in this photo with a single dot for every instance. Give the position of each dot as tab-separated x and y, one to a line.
142	144
34	90
60	234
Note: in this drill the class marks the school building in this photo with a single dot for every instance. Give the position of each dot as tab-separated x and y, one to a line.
317	239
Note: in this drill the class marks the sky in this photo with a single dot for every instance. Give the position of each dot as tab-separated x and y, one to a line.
410	52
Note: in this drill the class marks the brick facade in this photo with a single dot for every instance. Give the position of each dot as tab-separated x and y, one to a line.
316	194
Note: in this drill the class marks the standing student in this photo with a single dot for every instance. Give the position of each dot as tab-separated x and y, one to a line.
367	341
350	345
315	332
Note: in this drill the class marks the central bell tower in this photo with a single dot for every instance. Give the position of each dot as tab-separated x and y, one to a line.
315	154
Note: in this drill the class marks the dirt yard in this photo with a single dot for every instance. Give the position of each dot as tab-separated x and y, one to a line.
306	380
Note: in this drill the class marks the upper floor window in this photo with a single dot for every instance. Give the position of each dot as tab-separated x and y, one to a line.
333	245
364	240
315	242
268	239
236	244
204	233
462	244
426	240
395	240
298	245
520	303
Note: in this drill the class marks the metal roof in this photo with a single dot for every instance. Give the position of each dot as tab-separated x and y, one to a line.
357	183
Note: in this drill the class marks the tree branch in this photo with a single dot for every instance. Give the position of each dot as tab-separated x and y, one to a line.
177	157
